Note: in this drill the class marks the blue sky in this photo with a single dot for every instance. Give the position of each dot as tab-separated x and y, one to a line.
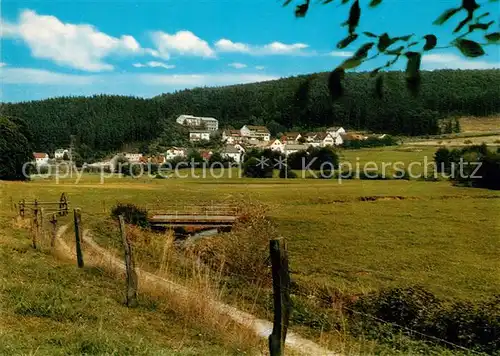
144	48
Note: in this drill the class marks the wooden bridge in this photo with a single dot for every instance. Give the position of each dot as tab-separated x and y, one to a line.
200	217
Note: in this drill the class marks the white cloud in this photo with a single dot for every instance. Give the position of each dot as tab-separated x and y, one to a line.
154	64
191	80
76	46
260	67
342	54
237	65
225	45
39	76
452	61
2	64
183	43
273	48
132	81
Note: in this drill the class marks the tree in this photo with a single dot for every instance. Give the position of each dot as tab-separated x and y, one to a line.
15	149
255	168
404	46
442	159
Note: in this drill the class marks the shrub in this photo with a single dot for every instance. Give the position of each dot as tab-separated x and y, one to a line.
253	168
132	214
468	142
467	324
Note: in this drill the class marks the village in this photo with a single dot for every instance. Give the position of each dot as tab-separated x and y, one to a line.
234	143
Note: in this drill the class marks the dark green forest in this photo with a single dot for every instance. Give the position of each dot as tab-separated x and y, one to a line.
105	123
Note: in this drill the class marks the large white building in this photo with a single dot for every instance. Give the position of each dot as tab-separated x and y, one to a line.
207	123
260	133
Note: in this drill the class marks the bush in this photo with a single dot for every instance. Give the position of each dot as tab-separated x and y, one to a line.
472	325
132	214
253	168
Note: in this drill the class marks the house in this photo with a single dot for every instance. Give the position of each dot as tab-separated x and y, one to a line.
231	136
293	148
240	148
291	137
41	158
255	132
199	135
310	136
232	152
198	122
175	152
59	153
336	131
133	157
324	139
275	145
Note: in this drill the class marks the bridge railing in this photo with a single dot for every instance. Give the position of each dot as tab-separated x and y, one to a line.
197	210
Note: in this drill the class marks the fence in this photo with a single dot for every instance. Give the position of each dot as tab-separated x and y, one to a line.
43	222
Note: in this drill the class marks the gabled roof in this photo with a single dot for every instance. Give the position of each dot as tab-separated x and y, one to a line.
292	135
311	134
334	128
322	135
40	155
261	129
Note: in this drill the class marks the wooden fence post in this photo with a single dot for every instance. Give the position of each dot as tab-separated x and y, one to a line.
53	221
35	229
41	219
22	204
78	234
281	296
130	266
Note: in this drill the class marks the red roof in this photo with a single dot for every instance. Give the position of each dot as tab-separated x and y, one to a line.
40	155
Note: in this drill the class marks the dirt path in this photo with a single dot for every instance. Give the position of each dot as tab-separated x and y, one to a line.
261	327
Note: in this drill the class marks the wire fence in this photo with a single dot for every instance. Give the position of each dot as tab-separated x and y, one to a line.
43	222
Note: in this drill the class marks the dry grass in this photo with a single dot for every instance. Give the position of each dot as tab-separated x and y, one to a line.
480	124
194	295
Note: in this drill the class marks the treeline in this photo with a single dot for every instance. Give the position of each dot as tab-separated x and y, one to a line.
102	123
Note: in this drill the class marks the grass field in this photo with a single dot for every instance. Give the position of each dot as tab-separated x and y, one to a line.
354	236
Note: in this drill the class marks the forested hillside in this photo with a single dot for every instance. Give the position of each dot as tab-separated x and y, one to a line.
104	123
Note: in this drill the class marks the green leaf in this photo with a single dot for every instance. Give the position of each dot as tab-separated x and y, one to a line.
493	37
347	41
374	3
445	16
287	2
470	6
480	26
384	41
369	34
362	52
430	42
301	10
345	2
413	71
354	16
351	63
335	83
482	15
395	51
469	48
403	38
